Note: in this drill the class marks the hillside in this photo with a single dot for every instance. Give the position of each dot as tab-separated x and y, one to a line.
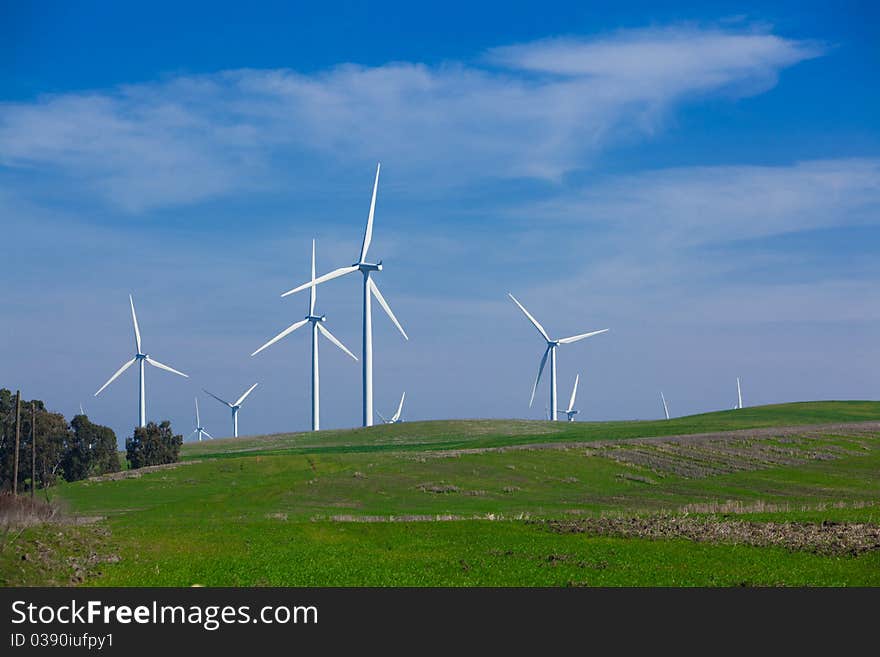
453	434
487	502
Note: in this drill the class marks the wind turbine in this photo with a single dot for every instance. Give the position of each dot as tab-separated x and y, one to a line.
665	408
317	322
396	417
199	428
570	412
739	395
551	351
370	290
234	406
140	358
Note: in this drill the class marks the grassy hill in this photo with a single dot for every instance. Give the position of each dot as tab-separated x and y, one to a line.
490	502
451	434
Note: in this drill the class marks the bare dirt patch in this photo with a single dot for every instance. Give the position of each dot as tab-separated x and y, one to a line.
829	538
136	474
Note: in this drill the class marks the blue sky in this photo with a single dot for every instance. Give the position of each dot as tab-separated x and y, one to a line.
705	182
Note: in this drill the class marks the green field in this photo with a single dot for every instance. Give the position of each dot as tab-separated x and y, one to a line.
470	503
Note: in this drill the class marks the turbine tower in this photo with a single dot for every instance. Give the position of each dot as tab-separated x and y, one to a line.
199	428
140	358
665	408
739	394
396	417
317	322
234	406
551	351
570	412
370	290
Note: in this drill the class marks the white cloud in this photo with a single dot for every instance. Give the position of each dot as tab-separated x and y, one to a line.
688	206
555	106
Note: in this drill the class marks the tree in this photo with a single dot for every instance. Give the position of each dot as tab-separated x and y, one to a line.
91	450
154	444
52	435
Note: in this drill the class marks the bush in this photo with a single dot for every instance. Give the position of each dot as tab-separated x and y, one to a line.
91	450
154	444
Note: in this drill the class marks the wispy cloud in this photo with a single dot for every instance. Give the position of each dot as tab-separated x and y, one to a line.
533	110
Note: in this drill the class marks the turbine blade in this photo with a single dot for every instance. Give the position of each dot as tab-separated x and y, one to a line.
191	434
134	320
336	273
118	372
531	319
386	307
396	416
582	336
290	329
368	233
334	340
574	393
244	396
156	363
384	419
222	401
198	421
540	371
312	290
207	434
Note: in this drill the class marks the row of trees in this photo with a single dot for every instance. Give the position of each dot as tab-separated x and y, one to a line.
74	450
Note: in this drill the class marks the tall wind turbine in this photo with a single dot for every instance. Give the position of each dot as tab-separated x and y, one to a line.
396	417
665	408
551	351
739	394
370	290
199	428
140	358
570	412
317	322
234	406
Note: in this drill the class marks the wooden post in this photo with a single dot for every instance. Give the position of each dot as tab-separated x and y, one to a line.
17	439
33	448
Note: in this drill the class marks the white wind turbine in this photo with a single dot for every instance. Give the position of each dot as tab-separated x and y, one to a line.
739	395
199	428
317	325
396	417
570	412
234	406
370	290
665	408
551	351
140	358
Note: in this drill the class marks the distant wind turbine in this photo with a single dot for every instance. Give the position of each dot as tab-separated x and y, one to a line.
370	290
81	411
570	412
551	351
199	428
665	408
317	325
396	417
234	406
140	358
739	395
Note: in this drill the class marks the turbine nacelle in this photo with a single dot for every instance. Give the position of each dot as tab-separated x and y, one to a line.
368	266
316	318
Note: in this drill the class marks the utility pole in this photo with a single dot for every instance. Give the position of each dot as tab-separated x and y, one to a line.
33	448
17	439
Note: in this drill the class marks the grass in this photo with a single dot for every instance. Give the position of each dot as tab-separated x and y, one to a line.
265	510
